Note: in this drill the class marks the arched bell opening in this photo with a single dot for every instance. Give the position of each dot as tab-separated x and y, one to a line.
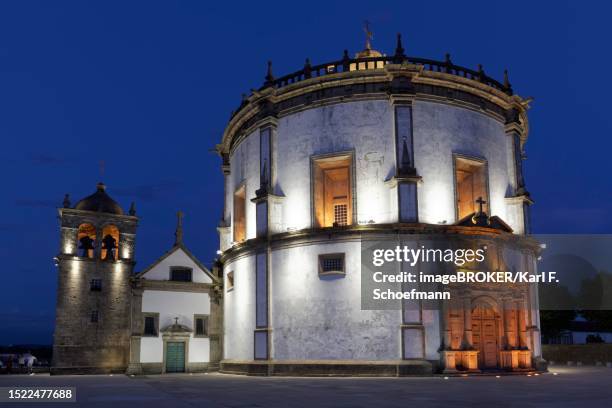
110	243
86	238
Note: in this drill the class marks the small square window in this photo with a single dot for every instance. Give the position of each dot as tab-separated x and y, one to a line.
94	316
95	285
180	274
201	326
230	281
151	324
331	264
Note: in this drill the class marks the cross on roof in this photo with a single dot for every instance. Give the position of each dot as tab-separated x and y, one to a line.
179	228
369	35
480	202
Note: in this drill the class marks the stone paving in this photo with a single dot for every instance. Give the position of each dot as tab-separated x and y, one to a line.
571	387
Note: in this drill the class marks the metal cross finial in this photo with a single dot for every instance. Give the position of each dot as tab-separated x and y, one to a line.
179	228
101	169
480	202
176	321
369	35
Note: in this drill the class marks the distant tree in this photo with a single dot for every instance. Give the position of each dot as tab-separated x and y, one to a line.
557	308
594	338
595	300
555	296
601	318
553	322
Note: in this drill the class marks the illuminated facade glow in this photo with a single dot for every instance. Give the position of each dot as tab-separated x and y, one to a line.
408	148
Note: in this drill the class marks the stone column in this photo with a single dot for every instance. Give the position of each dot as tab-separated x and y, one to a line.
522	323
69	241
98	249
446	327
449	357
468	342
126	246
216	324
134	366
226	168
406	179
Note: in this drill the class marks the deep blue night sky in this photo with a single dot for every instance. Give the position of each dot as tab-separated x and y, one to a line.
149	86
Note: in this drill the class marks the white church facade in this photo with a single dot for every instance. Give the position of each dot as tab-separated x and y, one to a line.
173	300
315	164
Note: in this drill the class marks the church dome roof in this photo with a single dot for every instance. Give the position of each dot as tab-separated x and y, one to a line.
99	202
368	53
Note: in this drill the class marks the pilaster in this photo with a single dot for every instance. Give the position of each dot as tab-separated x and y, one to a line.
403	184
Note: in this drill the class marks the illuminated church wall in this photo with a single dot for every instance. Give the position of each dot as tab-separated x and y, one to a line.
310	323
239	309
441	131
366	128
320	317
404	147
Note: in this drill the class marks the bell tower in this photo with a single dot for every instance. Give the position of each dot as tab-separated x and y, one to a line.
95	265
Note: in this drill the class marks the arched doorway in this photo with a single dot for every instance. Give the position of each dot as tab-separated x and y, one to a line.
484	334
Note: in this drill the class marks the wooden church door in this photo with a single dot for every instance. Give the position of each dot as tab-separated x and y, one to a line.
484	331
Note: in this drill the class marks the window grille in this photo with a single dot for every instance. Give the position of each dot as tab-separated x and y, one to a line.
340	214
149	326
201	326
331	264
180	275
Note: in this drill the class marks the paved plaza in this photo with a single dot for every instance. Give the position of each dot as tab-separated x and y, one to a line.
570	387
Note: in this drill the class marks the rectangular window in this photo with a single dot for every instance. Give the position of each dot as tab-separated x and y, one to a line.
471	186
151	324
201	325
332	192
331	264
95	285
180	274
240	214
93	316
230	281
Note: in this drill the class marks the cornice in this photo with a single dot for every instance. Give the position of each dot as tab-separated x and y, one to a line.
359	233
394	82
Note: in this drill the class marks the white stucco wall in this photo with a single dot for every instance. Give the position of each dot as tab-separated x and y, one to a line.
367	128
320	317
179	258
239	309
170	305
244	165
441	130
313	317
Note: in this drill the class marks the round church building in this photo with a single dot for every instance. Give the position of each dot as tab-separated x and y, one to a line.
319	163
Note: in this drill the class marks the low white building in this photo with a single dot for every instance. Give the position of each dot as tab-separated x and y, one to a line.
173	300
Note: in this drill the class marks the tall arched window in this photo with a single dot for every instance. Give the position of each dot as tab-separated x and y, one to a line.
87	240
110	243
